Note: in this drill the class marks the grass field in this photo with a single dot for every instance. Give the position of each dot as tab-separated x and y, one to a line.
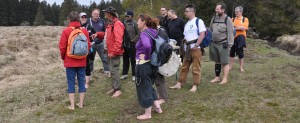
268	91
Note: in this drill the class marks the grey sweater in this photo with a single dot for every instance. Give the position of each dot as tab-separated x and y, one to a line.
221	31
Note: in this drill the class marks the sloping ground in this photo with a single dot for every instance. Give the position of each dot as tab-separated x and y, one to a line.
28	55
268	91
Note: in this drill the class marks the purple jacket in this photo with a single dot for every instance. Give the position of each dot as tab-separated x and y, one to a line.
144	44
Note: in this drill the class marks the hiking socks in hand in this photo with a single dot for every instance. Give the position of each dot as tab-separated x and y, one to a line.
217	69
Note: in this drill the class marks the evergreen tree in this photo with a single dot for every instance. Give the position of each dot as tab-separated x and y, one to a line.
34	5
24	11
66	8
39	19
12	12
3	13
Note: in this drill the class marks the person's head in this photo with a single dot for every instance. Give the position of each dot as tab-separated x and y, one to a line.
163	11
95	14
129	15
74	16
83	17
238	11
157	20
145	21
172	14
190	11
220	9
110	13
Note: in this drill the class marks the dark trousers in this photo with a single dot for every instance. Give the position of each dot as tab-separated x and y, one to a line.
88	69
129	58
160	84
145	91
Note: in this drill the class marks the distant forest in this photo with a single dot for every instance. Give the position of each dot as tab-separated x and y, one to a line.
269	17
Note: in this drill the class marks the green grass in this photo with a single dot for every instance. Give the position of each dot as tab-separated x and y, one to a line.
268	91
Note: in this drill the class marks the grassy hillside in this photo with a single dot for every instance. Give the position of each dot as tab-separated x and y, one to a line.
35	91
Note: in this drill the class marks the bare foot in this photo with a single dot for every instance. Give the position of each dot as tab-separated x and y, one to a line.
79	106
110	91
223	82
117	94
158	110
161	101
86	85
71	108
143	117
194	88
177	86
216	79
242	69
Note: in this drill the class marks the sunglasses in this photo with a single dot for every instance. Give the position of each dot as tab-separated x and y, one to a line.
83	17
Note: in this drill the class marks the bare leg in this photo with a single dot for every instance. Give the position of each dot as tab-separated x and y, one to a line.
87	81
81	99
241	65
231	61
225	74
217	73
71	97
145	116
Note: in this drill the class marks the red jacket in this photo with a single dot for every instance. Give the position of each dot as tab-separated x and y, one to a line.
63	43
114	37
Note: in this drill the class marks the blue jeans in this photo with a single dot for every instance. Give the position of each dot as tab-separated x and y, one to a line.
72	72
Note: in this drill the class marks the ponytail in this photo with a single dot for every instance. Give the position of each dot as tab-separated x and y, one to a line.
150	22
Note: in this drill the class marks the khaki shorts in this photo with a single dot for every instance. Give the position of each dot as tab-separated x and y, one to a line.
218	54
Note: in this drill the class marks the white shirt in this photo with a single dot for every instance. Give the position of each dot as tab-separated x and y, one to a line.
191	31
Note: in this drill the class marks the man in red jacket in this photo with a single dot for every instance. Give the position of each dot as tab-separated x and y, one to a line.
114	37
74	67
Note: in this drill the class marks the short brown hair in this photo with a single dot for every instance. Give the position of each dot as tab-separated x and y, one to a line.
148	21
74	16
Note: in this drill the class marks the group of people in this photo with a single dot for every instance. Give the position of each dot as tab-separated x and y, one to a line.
108	39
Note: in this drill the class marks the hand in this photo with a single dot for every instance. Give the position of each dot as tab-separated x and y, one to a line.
105	50
94	36
142	56
195	48
111	55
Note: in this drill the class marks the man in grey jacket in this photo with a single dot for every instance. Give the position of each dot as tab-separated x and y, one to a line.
222	40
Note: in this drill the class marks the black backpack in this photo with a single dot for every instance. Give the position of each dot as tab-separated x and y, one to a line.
162	50
126	36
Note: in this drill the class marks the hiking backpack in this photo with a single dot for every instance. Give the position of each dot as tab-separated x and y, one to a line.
77	44
126	37
207	38
162	50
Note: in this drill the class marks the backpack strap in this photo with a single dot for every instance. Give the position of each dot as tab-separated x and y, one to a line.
149	34
243	20
197	25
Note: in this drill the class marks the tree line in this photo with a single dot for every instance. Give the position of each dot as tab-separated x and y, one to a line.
271	18
35	13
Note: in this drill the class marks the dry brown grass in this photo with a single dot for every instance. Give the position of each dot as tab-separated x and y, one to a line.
27	51
290	43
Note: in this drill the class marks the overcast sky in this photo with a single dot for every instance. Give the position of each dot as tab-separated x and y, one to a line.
82	2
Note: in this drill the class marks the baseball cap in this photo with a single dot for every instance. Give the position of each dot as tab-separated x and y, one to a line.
82	14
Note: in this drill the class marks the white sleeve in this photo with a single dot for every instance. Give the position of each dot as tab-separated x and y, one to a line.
201	26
